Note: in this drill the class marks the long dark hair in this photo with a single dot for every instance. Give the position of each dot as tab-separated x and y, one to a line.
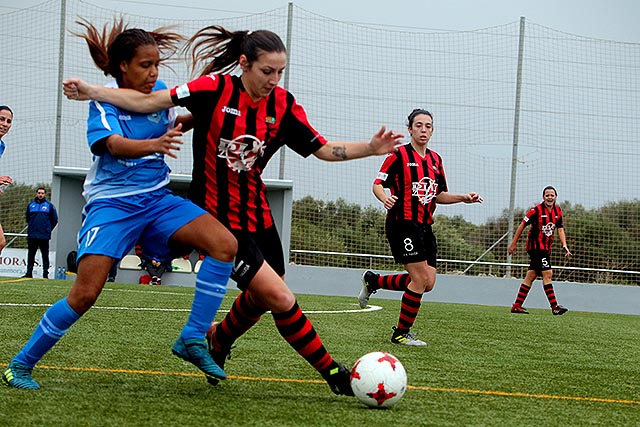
111	46
219	49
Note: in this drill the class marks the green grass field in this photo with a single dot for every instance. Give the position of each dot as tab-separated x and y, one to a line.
483	366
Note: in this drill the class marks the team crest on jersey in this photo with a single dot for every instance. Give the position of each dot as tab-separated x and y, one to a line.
548	229
270	120
154	117
241	152
425	190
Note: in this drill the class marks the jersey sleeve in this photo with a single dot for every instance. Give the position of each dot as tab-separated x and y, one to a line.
386	170
297	132
560	220
192	94
442	179
530	216
102	123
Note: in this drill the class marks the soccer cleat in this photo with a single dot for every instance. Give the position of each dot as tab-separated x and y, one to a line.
406	339
559	310
518	309
339	380
218	352
368	288
18	375
195	351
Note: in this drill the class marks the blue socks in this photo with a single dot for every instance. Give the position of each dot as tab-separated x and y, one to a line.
211	286
54	324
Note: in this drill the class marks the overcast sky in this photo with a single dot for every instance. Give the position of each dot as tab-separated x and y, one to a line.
612	19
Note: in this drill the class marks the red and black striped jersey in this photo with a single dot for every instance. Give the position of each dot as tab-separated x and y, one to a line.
415	180
543	223
234	138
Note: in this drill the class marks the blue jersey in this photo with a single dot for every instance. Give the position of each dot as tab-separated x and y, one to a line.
111	176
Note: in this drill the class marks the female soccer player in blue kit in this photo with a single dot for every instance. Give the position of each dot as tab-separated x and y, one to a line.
127	201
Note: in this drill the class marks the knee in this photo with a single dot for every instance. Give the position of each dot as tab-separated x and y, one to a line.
424	283
81	302
279	300
224	248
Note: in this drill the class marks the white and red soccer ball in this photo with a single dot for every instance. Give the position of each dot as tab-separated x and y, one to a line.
378	380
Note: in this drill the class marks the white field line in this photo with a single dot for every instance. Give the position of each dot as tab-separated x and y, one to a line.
358	310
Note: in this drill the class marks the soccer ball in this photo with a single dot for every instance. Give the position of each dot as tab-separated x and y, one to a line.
378	380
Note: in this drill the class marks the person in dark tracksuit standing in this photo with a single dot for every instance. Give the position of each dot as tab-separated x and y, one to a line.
42	218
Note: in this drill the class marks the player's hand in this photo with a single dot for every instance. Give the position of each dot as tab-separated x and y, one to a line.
169	142
389	202
76	89
385	141
567	252
512	249
474	198
6	180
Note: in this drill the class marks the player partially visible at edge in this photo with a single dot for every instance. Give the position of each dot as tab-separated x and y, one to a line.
414	177
6	120
127	201
544	219
240	123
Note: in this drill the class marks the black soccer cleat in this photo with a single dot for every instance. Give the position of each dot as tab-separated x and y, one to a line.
559	310
339	380
369	288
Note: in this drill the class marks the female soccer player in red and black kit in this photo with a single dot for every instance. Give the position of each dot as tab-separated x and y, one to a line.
544	218
415	178
239	123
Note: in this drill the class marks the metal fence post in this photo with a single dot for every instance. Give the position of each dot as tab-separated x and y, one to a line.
514	153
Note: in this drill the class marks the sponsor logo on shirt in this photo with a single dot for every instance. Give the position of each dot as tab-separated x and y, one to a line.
124	117
229	110
425	190
547	229
241	152
412	164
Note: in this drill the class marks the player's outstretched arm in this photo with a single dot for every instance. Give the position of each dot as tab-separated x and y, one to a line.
383	142
129	99
446	198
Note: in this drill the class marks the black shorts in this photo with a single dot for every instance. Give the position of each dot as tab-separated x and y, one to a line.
411	242
253	250
540	260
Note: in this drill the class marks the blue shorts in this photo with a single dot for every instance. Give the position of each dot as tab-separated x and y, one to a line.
111	227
